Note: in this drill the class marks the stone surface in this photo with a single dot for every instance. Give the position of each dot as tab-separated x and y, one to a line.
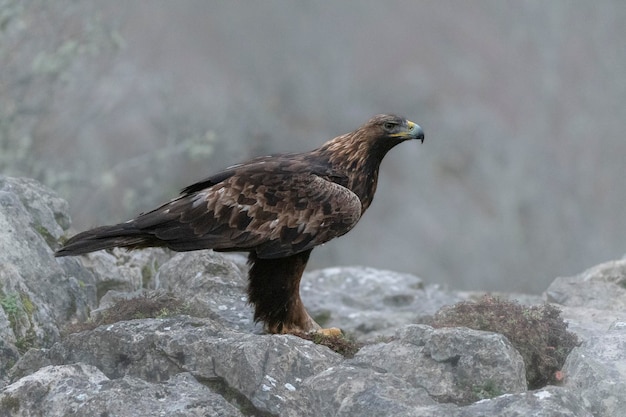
262	368
369	303
602	287
289	376
213	286
597	372
37	294
215	361
349	390
40	294
548	402
451	364
595	307
83	390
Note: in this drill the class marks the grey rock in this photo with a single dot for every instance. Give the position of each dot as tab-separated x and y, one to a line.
28	363
121	270
216	363
48	211
213	285
524	299
264	369
589	322
596	370
349	390
451	364
40	294
8	350
595	307
547	402
83	390
369	303
602	287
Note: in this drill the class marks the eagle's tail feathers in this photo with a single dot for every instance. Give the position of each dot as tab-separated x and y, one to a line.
123	235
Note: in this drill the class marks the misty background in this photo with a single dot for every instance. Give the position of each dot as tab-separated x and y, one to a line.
117	105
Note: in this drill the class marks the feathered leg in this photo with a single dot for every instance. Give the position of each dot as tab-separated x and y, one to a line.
274	290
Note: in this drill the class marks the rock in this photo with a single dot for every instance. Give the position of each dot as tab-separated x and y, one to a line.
262	368
214	361
49	213
288	376
548	402
602	287
589	322
213	285
349	390
370	303
123	271
83	390
597	372
595	307
456	365
40	294
37	294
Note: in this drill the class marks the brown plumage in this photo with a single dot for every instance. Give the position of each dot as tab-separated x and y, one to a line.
277	208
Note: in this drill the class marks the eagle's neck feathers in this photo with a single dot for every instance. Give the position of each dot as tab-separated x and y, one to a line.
356	156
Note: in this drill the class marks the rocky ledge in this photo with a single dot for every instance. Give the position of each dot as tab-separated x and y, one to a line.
65	351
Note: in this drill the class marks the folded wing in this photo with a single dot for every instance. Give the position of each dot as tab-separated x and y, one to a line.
264	207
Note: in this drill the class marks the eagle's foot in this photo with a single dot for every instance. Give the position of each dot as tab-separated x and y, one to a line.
330	332
306	325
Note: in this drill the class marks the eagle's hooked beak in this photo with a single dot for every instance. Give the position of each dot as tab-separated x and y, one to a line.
410	131
414	131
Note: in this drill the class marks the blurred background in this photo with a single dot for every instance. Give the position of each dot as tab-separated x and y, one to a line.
117	105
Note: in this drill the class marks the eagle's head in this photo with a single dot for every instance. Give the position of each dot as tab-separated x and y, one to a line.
371	141
388	126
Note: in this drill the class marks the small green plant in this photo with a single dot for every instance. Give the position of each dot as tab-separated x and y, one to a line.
10	305
27	304
485	391
18	306
10	404
43	232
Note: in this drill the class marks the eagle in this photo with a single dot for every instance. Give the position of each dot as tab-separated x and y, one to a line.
276	208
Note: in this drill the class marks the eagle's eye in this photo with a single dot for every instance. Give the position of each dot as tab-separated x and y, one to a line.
389	126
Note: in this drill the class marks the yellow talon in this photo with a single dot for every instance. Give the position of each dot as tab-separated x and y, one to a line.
330	332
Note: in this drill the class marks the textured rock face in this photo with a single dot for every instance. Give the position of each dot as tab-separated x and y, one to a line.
38	293
451	364
286	375
596	303
214	361
370	303
601	287
83	390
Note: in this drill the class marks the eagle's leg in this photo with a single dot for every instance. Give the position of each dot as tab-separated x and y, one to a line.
274	291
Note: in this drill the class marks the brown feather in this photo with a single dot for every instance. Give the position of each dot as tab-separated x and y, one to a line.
274	207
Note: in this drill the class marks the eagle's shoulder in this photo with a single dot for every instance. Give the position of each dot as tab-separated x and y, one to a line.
271	168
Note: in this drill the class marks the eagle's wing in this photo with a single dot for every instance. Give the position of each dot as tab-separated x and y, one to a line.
274	212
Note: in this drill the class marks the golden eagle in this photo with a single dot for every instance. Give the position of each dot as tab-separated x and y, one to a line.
277	208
